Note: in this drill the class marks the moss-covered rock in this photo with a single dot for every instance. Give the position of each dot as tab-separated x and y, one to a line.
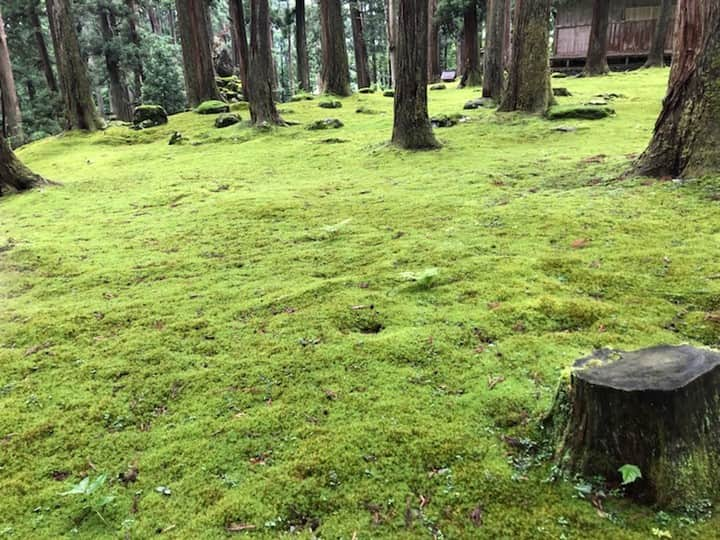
302	97
330	104
561	92
149	116
226	120
580	112
327	123
366	110
446	121
212	106
230	88
480	103
370	90
440	86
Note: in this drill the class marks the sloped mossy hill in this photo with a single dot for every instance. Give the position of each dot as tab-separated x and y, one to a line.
250	319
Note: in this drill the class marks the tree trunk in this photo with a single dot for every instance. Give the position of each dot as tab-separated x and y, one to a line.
14	175
42	48
528	86
12	119
260	76
391	19
119	96
687	134
411	127
656	409
301	50
596	62
195	40
360	47
656	57
434	69
134	38
494	71
240	42
335	73
74	83
471	73
507	42
155	26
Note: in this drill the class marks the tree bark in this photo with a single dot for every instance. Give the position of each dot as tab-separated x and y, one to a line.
507	43
411	125
12	118
686	141
596	62
656	56
119	96
494	71
240	42
391	19
360	47
335	73
260	75
471	73
528	86
155	25
434	69
195	40
134	37
74	83
14	175
42	48
301	50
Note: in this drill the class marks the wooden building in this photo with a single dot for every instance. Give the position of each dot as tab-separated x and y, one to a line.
632	26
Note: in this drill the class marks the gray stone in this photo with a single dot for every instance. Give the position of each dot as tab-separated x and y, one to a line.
227	119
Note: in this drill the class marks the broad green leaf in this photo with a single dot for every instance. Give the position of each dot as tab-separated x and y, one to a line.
629	473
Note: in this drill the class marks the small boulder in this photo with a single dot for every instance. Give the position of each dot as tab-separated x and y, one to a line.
561	92
150	116
365	110
327	123
565	129
226	120
581	112
440	86
175	138
212	106
330	105
389	93
366	91
480	103
445	121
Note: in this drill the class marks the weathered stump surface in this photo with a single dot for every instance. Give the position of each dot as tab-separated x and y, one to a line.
657	408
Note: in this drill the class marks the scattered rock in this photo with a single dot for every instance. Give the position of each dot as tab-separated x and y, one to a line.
328	123
365	110
389	93
561	92
212	106
164	490
223	63
609	97
582	112
439	86
565	129
227	119
445	121
330	105
150	115
175	138
366	91
480	103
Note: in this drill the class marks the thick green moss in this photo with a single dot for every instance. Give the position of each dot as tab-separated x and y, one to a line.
580	112
212	107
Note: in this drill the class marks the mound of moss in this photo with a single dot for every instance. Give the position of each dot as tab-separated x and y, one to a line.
212	106
579	112
327	123
330	105
149	116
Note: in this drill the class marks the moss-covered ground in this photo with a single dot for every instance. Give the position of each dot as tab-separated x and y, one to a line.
300	331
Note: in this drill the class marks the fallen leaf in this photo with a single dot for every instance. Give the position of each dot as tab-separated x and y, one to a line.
580	243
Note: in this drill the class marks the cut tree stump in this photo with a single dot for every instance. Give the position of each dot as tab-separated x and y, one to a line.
656	408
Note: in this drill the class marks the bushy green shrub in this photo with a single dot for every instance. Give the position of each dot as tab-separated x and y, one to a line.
163	82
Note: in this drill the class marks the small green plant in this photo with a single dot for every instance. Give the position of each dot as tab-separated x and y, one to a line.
92	495
630	473
426	279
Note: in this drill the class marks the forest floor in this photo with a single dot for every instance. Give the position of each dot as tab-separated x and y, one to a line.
274	333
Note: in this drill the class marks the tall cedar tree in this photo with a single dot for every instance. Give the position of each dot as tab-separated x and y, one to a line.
14	176
335	73
74	83
434	69
260	75
656	56
12	119
528	86
471	73
596	61
301	49
194	26
134	38
411	126
359	45
34	19
494	72
119	95
687	134
391	21
239	40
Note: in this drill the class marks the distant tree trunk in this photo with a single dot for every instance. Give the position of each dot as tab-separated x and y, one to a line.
507	41
391	19
13	174
240	42
134	38
335	74
596	63
528	86
411	128
195	40
687	134
42	48
360	47
12	119
301	50
471	73
494	72
74	83
656	56
260	74
434	69
119	97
